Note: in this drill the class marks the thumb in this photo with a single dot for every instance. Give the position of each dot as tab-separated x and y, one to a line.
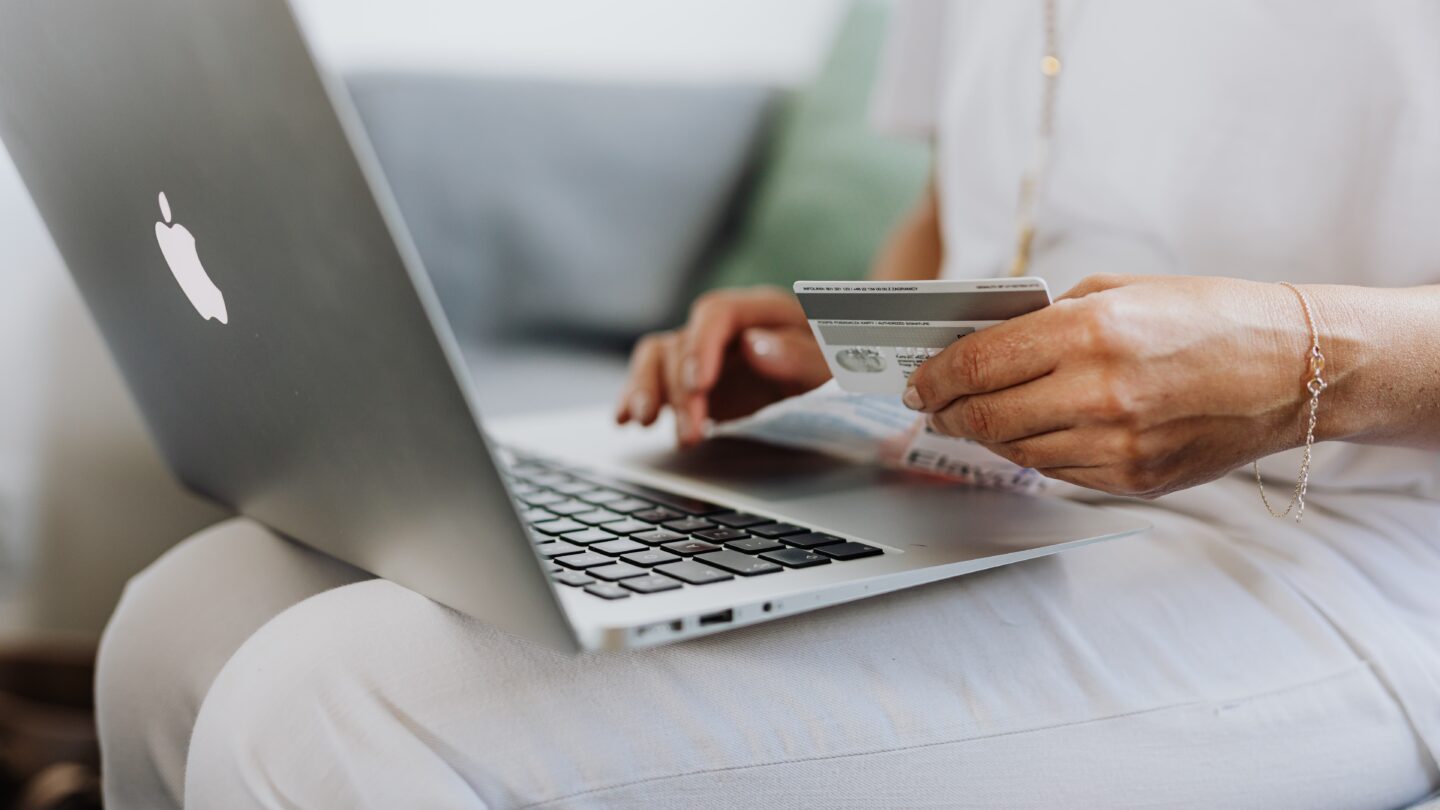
788	356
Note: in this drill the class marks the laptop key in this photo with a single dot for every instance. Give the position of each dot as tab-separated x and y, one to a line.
557	548
658	514
601	497
580	562
688	547
796	557
651	583
585	537
560	526
721	535
738	520
569	507
574	487
682	503
616	571
812	539
617	547
597	516
574	579
542	498
694	573
656	537
688	525
629	505
649	558
737	563
535	515
847	551
627	526
607	590
754	545
776	529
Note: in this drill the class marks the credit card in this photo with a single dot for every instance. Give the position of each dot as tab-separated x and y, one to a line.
874	333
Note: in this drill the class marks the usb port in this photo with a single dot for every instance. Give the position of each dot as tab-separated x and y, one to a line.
723	617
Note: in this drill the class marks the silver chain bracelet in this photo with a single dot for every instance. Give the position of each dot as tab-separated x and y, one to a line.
1315	386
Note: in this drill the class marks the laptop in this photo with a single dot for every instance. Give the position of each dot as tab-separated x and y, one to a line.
224	218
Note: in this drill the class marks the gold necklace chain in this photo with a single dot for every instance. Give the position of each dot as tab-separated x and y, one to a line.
1314	386
1030	182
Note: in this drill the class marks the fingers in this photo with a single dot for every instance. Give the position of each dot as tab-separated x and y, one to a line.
716	319
1074	448
1040	406
684	400
681	369
789	356
644	390
1007	354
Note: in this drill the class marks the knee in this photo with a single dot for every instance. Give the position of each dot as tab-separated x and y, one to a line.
176	625
298	712
145	700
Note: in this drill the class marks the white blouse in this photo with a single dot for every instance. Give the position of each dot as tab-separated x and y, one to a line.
1260	139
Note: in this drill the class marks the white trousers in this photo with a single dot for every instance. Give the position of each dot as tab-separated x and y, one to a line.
1220	660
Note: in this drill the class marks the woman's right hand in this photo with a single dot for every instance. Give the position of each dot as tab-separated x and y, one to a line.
740	351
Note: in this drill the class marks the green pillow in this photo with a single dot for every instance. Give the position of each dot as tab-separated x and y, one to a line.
830	187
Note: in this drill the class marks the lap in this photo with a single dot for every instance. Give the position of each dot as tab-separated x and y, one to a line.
1184	665
1190	663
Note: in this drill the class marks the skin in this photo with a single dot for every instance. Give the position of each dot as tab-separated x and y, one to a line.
1131	385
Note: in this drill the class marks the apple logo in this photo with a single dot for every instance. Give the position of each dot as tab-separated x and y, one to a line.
178	245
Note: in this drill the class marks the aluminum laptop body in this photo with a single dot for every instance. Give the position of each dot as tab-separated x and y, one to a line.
225	221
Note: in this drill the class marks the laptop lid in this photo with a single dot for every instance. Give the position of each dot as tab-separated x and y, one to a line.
227	226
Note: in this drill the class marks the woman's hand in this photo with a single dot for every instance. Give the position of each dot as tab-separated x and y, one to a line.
1130	385
740	351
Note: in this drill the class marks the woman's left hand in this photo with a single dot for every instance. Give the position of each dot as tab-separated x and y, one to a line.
1130	385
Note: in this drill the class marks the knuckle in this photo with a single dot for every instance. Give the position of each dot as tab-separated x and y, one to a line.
970	366
708	303
978	419
1101	325
1115	400
1101	281
1131	449
645	349
1017	453
1136	480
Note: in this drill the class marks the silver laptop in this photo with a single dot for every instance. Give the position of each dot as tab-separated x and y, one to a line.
224	218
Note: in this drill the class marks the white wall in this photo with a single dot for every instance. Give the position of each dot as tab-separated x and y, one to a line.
774	41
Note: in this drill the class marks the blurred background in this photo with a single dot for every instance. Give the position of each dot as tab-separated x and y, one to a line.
573	174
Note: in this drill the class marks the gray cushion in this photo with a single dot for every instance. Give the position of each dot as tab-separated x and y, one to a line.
541	205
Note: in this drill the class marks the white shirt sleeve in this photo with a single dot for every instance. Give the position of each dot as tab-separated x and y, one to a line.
905	98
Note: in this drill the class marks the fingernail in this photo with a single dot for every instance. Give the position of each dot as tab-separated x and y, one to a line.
912	399
639	405
761	345
690	373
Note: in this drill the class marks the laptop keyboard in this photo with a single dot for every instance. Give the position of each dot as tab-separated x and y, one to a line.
615	539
